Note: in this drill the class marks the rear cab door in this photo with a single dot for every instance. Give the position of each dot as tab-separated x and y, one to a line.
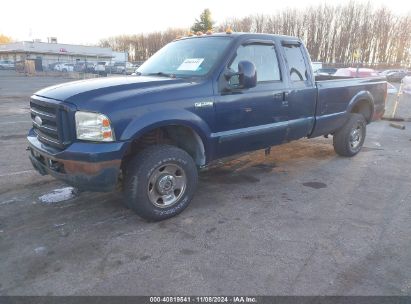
301	93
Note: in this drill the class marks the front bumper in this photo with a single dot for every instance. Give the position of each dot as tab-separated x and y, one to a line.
86	166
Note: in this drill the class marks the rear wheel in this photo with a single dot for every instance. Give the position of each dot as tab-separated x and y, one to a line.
160	182
349	140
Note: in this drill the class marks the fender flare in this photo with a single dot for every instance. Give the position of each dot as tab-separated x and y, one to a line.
156	119
361	97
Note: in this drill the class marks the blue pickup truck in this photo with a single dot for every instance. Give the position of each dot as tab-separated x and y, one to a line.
198	99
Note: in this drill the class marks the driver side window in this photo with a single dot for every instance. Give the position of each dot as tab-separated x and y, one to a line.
264	58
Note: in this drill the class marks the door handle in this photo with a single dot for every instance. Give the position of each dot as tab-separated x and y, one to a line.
284	103
281	96
278	96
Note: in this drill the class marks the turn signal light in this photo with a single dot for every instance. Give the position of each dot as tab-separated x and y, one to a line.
107	134
106	123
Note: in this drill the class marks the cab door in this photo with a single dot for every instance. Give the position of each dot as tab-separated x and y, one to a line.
302	92
255	118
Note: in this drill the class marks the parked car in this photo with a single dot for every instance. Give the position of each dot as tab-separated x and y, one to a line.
126	68
64	67
52	66
326	71
316	65
111	68
7	65
406	85
397	76
100	68
197	100
84	67
356	73
386	72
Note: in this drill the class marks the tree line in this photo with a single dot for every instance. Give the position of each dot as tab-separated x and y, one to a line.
334	34
5	39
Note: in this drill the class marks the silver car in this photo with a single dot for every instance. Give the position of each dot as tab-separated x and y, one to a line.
7	65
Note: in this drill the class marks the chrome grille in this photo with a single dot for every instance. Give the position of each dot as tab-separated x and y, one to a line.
47	118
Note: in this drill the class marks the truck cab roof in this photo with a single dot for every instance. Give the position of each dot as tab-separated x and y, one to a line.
243	35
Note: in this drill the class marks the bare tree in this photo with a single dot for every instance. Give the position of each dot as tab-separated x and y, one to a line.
334	34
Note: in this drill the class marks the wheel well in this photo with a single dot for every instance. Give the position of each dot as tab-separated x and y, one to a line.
363	107
180	136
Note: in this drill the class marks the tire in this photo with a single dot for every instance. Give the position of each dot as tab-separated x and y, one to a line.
160	182
349	139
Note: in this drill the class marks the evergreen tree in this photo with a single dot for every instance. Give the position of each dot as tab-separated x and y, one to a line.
204	23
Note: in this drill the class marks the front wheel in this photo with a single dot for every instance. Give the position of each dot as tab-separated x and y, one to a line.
349	139
160	182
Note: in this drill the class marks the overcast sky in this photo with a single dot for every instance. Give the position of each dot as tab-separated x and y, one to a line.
86	22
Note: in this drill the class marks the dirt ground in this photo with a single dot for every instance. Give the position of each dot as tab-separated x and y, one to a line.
301	221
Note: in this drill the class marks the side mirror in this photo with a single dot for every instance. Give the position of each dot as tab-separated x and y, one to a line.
245	78
247	74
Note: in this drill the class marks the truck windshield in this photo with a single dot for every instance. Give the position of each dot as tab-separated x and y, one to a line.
187	57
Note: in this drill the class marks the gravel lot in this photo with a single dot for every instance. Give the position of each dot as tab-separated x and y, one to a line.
301	221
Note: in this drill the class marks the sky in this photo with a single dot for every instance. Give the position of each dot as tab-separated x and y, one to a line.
86	21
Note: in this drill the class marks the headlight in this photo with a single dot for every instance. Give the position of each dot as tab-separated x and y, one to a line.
93	127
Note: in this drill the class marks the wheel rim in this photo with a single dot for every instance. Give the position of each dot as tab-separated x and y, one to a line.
356	136
166	185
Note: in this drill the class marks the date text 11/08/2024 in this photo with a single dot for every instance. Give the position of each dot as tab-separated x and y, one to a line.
209	299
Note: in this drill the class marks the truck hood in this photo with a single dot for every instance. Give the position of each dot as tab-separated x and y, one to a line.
111	88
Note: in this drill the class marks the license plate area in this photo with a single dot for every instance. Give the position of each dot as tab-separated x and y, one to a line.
48	162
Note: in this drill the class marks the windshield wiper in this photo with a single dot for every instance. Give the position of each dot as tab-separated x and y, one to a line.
162	74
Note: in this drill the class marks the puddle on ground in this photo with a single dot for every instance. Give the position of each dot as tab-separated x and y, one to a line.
265	167
58	195
315	185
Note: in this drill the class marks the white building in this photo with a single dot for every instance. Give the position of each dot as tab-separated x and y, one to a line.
46	54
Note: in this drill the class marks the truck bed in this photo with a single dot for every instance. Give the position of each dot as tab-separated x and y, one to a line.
336	94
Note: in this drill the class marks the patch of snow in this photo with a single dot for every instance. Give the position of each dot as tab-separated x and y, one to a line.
40	250
59	225
58	195
8	201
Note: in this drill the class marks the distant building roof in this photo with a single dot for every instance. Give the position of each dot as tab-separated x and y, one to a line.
55	48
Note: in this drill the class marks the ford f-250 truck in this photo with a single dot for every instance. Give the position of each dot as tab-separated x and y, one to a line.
196	100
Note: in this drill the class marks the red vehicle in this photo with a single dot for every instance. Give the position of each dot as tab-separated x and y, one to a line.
354	72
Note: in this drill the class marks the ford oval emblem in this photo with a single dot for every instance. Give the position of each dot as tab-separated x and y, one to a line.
38	120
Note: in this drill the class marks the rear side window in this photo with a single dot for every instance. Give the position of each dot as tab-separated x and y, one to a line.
264	58
296	63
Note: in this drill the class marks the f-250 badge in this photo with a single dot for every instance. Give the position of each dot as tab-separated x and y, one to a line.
203	104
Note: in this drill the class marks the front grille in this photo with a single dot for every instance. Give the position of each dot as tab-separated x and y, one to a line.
50	122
